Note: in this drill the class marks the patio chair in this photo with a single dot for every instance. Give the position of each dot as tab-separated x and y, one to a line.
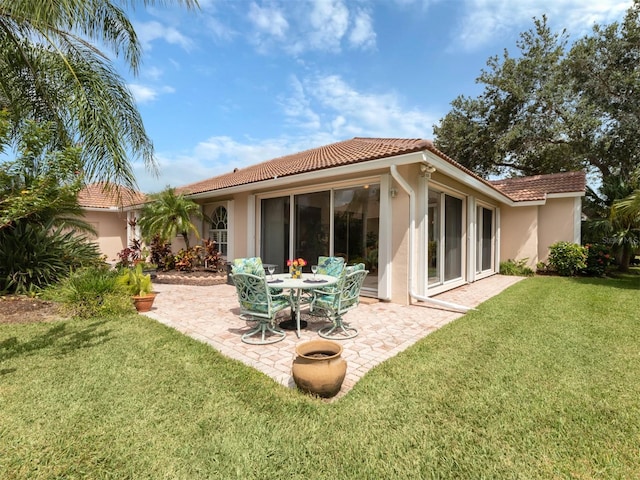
334	303
257	302
330	266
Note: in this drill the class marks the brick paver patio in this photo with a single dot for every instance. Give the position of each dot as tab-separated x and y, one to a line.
385	328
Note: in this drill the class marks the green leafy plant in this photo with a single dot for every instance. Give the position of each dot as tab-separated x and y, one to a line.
91	292
567	258
516	268
34	256
598	260
135	281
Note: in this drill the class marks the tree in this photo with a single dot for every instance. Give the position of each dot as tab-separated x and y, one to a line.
612	217
41	226
50	69
169	215
41	185
605	68
522	123
550	110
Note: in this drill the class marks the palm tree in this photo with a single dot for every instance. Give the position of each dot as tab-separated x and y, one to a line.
626	212
169	215
50	69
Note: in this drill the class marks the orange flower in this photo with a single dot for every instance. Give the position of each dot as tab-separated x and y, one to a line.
296	262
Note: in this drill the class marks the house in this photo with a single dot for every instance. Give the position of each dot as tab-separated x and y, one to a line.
421	222
111	212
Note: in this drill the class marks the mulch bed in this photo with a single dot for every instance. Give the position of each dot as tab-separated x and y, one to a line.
23	309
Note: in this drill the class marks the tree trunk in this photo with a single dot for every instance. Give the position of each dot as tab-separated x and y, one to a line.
625	258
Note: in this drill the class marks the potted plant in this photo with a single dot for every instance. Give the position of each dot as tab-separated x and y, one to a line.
138	284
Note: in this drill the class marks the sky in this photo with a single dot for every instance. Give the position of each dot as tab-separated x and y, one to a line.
238	82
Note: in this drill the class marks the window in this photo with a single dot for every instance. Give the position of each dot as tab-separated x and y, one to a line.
219	231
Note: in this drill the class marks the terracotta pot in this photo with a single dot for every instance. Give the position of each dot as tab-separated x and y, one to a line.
144	303
319	367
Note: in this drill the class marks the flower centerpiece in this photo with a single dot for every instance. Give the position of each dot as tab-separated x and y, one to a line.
295	267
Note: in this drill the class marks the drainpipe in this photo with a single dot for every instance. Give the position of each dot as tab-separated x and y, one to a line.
412	218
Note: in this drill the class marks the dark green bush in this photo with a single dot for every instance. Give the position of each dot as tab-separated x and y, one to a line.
598	259
567	258
34	256
92	291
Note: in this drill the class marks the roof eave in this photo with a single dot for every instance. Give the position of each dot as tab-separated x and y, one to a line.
386	162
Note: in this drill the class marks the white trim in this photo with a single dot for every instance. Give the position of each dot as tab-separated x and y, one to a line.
496	266
472	237
565	195
411	264
422	217
464	177
316	175
105	209
577	220
385	266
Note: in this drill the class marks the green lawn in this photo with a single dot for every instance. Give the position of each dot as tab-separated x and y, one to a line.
542	381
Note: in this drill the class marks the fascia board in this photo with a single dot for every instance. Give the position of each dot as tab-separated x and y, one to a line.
279	182
462	176
565	195
101	209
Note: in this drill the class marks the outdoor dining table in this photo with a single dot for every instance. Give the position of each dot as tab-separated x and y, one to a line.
297	286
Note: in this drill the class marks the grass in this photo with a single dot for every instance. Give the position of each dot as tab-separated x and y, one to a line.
540	382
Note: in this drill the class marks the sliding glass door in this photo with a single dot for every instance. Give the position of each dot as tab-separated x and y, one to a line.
484	239
311	226
275	221
342	222
445	238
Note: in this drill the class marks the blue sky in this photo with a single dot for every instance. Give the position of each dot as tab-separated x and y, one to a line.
239	82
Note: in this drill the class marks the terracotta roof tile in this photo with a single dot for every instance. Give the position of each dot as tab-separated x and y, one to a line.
99	195
337	154
359	150
537	187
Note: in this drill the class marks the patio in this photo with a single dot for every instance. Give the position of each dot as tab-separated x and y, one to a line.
210	314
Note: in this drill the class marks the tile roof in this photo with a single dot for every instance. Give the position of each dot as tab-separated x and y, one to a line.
347	152
537	187
99	195
360	150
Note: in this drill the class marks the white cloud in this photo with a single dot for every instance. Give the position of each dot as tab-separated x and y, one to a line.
329	20
146	93
324	109
297	106
268	20
218	155
150	31
344	112
311	25
363	34
485	20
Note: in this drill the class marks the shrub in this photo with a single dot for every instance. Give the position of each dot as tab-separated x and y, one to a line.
567	258
598	259
516	267
134	281
90	292
34	256
160	253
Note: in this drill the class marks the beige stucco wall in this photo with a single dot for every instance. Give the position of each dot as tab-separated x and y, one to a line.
112	231
556	223
519	234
